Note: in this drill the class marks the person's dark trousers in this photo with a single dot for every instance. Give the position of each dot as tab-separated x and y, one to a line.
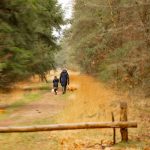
55	90
64	89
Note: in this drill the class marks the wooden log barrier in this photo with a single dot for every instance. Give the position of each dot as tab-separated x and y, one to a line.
123	118
71	126
114	130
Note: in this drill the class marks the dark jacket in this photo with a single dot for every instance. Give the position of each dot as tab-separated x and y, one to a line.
55	82
64	78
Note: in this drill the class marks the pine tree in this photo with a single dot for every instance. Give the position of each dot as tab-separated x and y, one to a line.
27	44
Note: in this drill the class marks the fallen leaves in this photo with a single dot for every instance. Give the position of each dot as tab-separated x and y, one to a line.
70	143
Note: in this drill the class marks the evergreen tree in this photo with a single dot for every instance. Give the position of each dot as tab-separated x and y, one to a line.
27	43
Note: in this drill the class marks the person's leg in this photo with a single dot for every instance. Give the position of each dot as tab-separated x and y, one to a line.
55	90
65	87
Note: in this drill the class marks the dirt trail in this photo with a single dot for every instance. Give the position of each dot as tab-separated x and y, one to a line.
92	101
47	106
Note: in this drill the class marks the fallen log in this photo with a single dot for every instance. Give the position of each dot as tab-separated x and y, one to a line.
71	126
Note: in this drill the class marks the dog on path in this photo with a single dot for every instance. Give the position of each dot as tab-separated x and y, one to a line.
71	88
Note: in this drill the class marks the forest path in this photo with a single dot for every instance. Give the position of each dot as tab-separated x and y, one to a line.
88	102
46	107
93	101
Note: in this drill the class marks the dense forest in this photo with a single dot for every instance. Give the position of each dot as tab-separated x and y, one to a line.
111	39
28	45
89	70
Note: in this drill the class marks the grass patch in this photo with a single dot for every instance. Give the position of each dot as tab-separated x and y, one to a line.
34	141
49	120
38	87
27	98
26	141
131	144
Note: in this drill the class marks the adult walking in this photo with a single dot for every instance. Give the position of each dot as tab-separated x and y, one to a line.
64	80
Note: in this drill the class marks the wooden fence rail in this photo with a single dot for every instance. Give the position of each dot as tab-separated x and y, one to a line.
123	124
71	126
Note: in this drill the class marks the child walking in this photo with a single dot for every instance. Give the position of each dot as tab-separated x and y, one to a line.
55	84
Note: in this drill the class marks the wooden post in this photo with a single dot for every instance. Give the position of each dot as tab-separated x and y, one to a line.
114	130
123	118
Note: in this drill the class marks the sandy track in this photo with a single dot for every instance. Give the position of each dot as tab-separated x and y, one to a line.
91	102
47	106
